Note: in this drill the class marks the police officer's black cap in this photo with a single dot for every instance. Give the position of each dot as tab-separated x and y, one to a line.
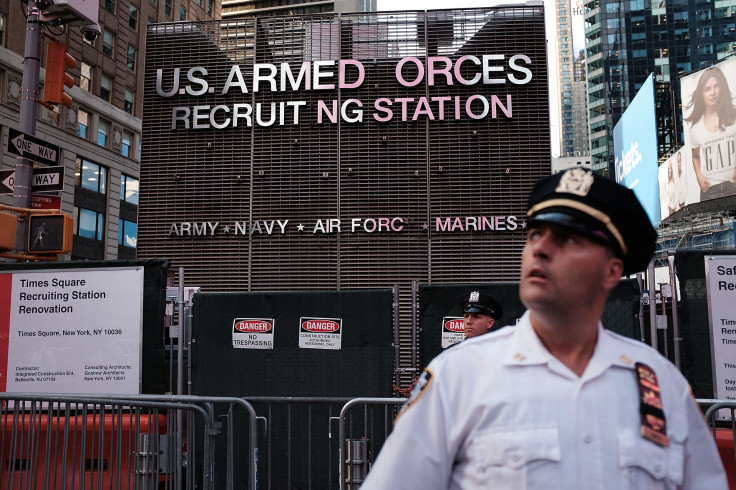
597	208
479	302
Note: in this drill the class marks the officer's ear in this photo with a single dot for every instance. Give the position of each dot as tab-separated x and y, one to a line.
614	271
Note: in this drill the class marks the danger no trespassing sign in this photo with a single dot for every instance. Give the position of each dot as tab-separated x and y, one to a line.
253	333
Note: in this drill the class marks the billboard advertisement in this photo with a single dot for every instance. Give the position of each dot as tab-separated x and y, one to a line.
635	149
71	331
673	188
709	119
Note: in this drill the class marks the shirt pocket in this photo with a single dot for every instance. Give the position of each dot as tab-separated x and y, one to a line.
645	464
518	458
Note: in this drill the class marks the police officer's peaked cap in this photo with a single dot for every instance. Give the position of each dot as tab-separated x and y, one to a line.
479	302
597	208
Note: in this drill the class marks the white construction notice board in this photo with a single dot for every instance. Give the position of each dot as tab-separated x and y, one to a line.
71	331
720	275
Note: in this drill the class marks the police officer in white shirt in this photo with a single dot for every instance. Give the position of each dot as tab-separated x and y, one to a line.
557	402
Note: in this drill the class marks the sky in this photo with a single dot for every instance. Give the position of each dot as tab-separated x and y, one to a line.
386	5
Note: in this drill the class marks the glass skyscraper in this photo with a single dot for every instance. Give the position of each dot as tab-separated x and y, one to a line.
628	40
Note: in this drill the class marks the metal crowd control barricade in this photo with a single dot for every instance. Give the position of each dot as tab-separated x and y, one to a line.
54	441
358	456
296	443
724	432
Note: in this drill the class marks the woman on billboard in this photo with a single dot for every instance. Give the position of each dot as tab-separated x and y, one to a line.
680	182
671	190
713	135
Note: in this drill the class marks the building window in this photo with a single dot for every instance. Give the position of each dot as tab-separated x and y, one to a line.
133	16
168	7
89	175
102	133
182	13
83	123
108	42
85	78
127	233
129	98
88	223
129	189
110	6
105	87
127	143
2	29
209	6
131	58
52	116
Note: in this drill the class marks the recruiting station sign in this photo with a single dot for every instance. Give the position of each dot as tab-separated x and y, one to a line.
71	331
720	274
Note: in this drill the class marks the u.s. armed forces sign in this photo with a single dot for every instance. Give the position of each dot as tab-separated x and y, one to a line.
354	225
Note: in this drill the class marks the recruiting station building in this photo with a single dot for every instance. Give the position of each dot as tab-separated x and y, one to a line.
344	151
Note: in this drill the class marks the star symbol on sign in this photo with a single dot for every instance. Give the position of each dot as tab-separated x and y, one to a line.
425	226
523	225
300	227
226	229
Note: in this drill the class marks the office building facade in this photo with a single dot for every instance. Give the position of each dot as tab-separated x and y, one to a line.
238	9
99	136
572	96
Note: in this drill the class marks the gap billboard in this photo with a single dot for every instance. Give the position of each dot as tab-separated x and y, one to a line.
635	150
709	118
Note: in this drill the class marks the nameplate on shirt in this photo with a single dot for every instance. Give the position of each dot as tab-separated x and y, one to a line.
653	421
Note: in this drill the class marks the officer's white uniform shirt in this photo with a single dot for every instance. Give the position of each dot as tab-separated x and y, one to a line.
500	412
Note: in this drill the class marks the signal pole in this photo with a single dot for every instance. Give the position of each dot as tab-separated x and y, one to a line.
27	123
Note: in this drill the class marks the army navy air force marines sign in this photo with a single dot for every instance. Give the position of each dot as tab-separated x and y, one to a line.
557	402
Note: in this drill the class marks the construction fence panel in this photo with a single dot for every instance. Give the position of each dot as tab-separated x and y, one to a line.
440	302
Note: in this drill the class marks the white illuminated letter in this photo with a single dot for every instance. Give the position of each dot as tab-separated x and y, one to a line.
235	78
201	81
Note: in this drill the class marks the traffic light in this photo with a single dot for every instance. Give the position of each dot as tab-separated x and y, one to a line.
58	61
50	233
7	231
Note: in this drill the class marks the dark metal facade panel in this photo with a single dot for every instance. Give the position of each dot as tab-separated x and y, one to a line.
424	170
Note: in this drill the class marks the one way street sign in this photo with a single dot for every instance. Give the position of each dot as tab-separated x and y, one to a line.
26	146
45	179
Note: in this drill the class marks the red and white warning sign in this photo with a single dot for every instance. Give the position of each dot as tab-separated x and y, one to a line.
320	333
453	331
253	333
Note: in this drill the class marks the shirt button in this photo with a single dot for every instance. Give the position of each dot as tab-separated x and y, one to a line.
587	439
